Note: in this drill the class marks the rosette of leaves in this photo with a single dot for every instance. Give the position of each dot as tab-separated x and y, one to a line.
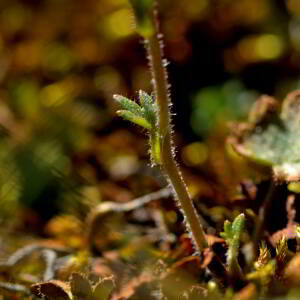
271	137
79	288
144	115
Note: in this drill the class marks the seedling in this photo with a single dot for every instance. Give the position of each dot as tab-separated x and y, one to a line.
232	235
154	115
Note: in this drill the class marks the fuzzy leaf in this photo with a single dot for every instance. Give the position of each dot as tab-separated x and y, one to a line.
80	287
149	107
129	105
238	226
227	234
233	231
129	116
273	139
103	289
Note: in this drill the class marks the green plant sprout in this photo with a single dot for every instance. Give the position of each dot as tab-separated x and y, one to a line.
144	115
154	115
232	235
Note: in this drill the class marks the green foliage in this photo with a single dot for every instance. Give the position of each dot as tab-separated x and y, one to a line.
143	115
233	231
214	105
134	118
271	138
232	235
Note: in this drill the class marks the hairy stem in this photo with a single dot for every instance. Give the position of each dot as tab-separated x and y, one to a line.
154	48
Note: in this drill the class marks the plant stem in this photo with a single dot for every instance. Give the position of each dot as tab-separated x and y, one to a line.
262	217
232	261
154	48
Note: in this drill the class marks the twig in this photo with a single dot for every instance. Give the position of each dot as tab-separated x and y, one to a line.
24	252
165	236
13	287
108	206
50	258
21	254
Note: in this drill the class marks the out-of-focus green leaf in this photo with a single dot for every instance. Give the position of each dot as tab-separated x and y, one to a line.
10	182
273	139
215	105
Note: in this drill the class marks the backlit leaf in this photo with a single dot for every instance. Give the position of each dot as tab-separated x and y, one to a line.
129	116
273	139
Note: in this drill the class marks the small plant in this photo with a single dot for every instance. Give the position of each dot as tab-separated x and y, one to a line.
144	115
232	235
154	115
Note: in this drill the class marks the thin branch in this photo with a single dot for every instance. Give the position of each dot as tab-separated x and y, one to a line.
26	251
13	287
108	206
50	258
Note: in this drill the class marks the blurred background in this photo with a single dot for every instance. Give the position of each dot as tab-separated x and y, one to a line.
62	148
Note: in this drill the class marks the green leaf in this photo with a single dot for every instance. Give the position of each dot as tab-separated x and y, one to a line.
232	234
149	107
238	226
129	116
129	105
227	234
272	138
